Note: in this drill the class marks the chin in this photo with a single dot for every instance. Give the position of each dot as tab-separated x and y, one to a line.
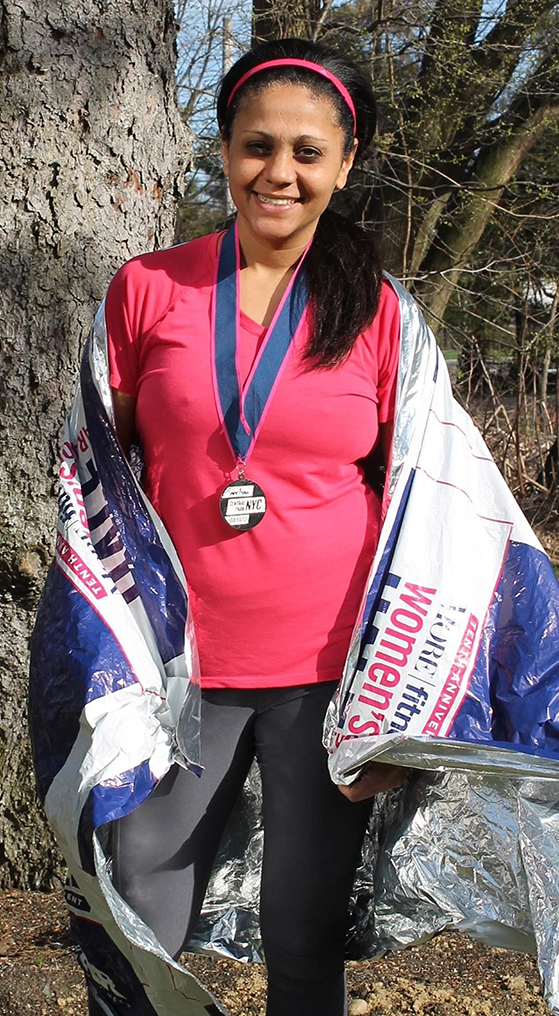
273	229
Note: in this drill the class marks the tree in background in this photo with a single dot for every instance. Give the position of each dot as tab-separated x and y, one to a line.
503	317
463	192
92	149
466	92
301	18
212	35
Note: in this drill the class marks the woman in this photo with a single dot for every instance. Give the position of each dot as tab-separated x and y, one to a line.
255	409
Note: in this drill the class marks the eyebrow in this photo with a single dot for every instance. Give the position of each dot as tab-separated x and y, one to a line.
270	137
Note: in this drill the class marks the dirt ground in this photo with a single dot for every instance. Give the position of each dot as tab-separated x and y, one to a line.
449	976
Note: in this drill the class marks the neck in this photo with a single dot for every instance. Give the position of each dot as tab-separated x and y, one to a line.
260	255
271	267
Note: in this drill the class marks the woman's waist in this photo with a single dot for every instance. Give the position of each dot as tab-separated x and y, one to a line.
282	562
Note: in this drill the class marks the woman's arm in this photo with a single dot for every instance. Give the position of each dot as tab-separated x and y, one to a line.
125	419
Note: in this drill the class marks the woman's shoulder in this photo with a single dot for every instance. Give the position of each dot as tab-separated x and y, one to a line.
397	297
184	263
147	286
386	321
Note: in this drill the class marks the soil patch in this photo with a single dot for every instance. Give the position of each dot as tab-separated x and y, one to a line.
449	976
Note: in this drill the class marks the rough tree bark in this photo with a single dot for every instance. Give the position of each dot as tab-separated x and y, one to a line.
91	153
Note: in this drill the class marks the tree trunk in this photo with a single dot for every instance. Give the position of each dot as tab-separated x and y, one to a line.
543	379
92	149
460	233
276	19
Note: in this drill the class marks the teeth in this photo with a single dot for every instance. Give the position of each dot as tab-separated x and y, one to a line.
276	201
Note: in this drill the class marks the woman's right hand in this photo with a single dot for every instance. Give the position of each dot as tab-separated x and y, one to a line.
376	778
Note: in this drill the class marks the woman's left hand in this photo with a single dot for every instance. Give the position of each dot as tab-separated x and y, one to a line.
376	778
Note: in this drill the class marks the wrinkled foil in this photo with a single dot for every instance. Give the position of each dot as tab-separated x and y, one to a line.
450	851
471	842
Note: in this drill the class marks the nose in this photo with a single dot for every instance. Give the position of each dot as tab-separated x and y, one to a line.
280	167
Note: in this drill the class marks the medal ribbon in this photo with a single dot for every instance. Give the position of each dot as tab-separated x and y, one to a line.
242	409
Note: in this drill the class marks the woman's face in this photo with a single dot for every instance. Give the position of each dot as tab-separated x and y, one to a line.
284	159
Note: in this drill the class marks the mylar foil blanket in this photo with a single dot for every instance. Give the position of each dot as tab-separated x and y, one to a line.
455	656
114	701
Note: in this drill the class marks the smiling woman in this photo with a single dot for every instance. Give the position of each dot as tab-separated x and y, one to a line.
272	347
323	111
282	181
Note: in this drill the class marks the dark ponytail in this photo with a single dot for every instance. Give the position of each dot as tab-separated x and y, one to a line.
343	269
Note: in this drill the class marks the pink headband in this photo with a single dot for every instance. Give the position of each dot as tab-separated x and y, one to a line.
309	65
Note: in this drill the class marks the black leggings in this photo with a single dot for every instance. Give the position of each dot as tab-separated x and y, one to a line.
164	851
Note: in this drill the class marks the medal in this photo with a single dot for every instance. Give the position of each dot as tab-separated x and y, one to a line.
242	504
242	408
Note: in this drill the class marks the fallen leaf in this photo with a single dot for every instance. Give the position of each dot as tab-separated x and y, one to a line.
8	946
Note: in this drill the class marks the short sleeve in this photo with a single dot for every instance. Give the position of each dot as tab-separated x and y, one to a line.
388	353
122	334
141	294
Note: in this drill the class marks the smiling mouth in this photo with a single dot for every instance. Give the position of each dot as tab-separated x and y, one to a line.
285	202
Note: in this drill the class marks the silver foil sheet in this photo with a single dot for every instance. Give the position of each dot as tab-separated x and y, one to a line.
450	851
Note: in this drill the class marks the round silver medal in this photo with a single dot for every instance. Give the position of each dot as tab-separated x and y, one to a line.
242	504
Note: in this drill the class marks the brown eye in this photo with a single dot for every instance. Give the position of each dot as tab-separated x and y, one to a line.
256	147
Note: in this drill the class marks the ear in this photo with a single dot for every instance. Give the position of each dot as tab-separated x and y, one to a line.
225	157
347	163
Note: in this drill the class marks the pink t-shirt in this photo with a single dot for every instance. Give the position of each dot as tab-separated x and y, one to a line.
275	605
